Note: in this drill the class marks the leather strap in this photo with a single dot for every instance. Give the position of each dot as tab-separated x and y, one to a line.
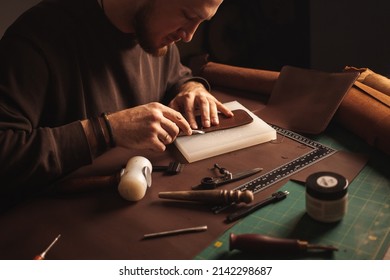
241	117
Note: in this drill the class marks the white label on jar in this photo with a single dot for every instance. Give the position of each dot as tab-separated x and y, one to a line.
327	181
326	211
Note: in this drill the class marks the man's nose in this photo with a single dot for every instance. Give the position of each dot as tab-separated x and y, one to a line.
188	32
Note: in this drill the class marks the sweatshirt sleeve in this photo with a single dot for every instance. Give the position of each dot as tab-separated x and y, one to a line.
33	153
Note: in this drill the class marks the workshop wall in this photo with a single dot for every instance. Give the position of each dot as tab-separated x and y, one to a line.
320	34
258	34
267	34
354	33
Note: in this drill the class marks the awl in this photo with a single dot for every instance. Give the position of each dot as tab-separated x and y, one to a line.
267	245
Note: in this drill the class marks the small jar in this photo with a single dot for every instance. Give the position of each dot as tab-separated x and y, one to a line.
326	196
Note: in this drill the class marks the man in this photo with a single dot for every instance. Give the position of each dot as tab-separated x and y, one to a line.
65	62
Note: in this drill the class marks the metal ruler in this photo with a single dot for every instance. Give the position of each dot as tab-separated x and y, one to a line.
266	180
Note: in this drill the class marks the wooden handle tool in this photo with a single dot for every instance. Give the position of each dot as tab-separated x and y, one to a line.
262	244
210	196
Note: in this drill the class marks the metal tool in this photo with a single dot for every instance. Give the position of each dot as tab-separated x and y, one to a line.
173	168
175	231
42	255
215	197
272	246
318	152
194	132
226	177
197	131
275	197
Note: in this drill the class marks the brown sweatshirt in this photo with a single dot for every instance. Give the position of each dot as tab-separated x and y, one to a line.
61	62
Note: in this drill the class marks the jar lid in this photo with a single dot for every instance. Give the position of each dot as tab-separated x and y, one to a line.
326	185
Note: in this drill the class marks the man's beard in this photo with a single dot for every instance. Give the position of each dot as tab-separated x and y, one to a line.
145	39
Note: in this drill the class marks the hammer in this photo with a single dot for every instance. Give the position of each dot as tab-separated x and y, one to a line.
132	181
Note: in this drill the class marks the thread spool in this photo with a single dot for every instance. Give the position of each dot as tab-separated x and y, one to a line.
326	196
135	178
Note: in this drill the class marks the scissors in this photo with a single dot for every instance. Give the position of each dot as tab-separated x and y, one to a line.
227	177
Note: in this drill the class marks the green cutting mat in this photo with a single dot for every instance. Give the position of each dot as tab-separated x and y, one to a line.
363	233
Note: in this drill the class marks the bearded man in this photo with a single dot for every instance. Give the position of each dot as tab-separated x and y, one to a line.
79	77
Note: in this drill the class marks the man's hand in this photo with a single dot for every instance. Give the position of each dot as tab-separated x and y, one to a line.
150	126
193	96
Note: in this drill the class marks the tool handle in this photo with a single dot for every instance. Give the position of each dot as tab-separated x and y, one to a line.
248	210
275	197
39	257
262	244
42	255
85	184
224	197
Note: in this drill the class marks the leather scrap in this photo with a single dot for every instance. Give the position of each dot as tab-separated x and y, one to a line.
305	100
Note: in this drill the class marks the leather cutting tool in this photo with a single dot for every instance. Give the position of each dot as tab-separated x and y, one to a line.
42	255
271	246
226	177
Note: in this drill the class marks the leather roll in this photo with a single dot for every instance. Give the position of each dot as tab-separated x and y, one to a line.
367	117
246	79
371	79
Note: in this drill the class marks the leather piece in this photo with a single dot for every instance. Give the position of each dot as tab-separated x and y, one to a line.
305	100
241	117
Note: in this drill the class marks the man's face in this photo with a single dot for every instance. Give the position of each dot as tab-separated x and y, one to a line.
160	23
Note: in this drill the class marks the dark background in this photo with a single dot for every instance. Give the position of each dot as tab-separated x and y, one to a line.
259	34
320	34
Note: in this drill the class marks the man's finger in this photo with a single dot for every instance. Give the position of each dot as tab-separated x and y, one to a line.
177	118
224	110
